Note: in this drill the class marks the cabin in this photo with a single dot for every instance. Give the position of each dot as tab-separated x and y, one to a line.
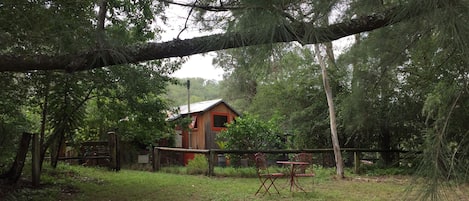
207	119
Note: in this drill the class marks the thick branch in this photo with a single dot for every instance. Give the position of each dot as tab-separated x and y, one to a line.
304	33
101	18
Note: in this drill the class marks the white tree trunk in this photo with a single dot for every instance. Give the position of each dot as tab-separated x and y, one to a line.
335	140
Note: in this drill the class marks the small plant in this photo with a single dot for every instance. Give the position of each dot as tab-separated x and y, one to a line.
198	165
221	144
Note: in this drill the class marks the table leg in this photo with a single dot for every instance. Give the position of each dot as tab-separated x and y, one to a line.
294	183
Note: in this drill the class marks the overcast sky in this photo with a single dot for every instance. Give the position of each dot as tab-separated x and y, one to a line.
200	66
197	65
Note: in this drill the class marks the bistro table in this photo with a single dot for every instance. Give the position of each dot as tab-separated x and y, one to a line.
293	165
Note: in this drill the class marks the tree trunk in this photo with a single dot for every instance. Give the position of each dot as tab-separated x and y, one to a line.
335	140
55	153
16	169
45	107
385	144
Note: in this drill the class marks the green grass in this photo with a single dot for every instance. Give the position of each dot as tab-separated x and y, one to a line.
80	183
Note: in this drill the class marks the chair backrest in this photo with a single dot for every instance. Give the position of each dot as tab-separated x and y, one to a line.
304	157
261	162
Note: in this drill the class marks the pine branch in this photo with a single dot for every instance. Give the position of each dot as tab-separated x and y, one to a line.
307	33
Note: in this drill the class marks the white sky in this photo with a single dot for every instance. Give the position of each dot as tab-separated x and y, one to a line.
199	65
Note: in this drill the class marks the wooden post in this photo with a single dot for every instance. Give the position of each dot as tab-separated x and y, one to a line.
118	152
156	159
112	150
36	165
211	162
153	159
356	162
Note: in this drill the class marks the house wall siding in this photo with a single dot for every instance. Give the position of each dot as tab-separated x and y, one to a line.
204	137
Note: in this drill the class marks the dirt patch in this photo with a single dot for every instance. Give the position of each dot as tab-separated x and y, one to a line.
67	192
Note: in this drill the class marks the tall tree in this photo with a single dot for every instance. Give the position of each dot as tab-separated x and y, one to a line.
332	115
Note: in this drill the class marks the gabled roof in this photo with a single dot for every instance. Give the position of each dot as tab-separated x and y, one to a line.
199	107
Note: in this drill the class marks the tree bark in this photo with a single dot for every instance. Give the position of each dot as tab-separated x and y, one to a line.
16	169
55	153
335	139
45	108
305	33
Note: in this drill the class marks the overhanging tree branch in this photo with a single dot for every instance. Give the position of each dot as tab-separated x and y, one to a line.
305	33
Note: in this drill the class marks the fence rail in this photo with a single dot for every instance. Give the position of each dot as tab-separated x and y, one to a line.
212	154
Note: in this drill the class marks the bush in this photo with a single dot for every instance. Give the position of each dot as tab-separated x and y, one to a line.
251	133
198	165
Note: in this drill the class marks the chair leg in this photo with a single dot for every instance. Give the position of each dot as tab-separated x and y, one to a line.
272	184
263	184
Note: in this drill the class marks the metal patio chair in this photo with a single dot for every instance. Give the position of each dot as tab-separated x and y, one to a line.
304	170
266	178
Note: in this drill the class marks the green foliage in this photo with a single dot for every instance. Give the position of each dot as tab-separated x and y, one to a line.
275	74
250	133
13	120
198	165
63	106
129	100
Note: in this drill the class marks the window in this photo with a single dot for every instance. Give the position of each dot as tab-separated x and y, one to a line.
194	123
219	121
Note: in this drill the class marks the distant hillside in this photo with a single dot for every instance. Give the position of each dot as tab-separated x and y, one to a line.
200	90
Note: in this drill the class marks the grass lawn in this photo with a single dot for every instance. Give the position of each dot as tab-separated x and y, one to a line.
80	183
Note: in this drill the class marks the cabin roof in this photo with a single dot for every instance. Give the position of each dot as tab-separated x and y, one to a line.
199	107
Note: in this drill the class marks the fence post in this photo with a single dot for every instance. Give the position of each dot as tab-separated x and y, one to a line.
211	161
114	149
118	153
153	159
356	162
36	155
156	159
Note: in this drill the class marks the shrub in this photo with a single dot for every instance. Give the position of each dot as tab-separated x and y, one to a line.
198	165
251	133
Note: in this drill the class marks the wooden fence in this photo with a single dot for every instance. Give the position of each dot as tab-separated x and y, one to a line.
98	152
211	154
